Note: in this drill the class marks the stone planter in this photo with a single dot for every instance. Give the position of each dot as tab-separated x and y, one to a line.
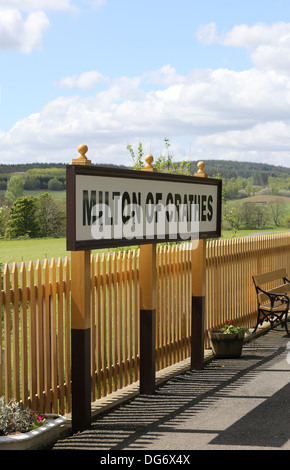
226	345
39	439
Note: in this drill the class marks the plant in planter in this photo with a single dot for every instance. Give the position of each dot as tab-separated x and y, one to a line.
15	418
23	429
227	342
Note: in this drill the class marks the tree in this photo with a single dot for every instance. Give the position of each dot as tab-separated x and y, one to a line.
23	219
276	211
231	215
15	188
31	182
55	185
254	216
51	216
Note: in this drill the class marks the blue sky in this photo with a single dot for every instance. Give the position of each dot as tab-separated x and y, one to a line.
212	76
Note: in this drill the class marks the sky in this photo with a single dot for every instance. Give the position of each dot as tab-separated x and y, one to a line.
213	77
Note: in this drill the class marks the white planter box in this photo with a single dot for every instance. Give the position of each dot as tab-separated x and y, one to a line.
41	438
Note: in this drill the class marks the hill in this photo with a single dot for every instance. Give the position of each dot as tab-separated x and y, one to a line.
222	168
7	169
232	169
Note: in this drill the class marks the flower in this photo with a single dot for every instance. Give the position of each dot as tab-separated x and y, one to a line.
36	420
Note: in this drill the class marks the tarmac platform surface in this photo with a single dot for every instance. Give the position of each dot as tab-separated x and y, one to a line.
232	404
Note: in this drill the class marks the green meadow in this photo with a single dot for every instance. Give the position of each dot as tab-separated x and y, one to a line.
32	249
16	251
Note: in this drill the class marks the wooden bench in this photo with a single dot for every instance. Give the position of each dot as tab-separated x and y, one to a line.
273	304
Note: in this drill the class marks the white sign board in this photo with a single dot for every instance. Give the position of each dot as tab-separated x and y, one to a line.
108	207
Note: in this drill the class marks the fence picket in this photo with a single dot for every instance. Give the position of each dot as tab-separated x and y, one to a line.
32	347
53	318
46	336
60	335
7	336
39	336
23	326
15	333
67	360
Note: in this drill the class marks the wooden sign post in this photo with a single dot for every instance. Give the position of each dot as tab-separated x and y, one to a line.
198	280
109	208
147	282
80	329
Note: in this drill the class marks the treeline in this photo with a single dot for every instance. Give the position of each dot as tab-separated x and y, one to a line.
37	176
223	168
231	169
52	178
7	169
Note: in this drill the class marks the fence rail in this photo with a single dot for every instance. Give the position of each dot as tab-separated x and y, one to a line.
35	309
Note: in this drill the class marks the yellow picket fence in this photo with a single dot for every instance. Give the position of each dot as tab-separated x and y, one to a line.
35	309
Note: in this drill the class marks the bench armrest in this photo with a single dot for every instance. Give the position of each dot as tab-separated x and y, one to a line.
284	298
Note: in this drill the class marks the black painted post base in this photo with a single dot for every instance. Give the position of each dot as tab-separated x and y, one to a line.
147	351
197	332
81	380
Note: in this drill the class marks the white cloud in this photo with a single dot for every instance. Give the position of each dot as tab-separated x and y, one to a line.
273	57
207	34
244	35
37	5
23	22
166	76
265	137
218	113
268	44
22	34
84	81
264	142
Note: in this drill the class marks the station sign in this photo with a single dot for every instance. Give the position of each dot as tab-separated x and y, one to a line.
114	207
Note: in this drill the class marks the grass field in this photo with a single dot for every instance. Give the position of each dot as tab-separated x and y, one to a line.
15	251
32	249
268	199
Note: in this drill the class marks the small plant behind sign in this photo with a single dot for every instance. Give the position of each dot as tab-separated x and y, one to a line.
164	163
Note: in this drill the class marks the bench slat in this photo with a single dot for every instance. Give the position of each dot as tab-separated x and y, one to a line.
270	276
278	307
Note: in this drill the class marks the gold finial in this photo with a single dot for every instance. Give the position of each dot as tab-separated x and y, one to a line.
82	159
148	167
200	171
82	149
